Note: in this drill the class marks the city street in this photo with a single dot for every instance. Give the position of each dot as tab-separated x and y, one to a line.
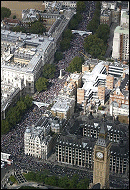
13	141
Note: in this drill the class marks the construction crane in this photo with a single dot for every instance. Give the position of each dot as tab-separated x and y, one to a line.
84	54
87	58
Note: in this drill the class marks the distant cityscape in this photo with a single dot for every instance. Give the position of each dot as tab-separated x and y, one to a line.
81	122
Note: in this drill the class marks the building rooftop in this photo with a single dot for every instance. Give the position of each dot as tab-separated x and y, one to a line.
121	30
125	82
39	46
62	104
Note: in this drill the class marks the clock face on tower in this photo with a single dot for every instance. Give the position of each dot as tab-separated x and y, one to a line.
99	155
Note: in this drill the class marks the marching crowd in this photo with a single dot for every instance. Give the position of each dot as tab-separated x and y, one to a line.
13	142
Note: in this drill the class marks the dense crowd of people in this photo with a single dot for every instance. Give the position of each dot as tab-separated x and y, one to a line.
13	142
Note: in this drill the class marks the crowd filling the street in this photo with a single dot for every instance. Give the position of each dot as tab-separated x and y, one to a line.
13	142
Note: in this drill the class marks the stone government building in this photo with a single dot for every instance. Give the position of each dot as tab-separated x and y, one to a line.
23	57
76	146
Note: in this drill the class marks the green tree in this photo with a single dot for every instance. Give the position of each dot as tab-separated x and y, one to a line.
78	17
94	46
28	101
37	28
93	25
98	5
100	57
22	106
18	112
49	71
15	113
30	176
63	182
97	13
103	32
75	64
4	126
83	184
5	12
14	17
19	29
12	179
52	180
41	84
73	24
73	182
58	56
11	116
64	44
80	6
67	34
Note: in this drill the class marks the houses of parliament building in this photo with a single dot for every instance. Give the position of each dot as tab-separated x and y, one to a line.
97	144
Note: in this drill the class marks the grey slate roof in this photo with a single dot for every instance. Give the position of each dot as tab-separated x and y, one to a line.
124	82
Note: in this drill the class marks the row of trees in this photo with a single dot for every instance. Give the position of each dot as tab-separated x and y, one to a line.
48	72
66	38
14	115
96	44
94	23
77	18
63	182
67	35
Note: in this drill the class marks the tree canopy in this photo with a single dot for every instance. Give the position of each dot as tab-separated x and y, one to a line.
67	34
75	64
63	182
37	28
83	184
19	29
12	179
5	12
15	113
49	71
64	44
73	23
94	46
58	56
14	17
41	84
94	23
103	32
80	6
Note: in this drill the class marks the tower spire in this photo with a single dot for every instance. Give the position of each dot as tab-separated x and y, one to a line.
102	138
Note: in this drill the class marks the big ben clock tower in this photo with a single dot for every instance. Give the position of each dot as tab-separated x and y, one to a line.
102	158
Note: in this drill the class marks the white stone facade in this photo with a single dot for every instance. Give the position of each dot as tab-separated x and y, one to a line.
116	110
121	38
